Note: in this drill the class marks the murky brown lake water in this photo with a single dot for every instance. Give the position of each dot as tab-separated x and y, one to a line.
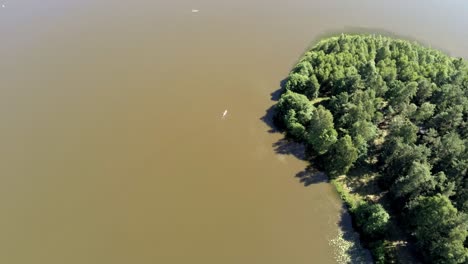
112	146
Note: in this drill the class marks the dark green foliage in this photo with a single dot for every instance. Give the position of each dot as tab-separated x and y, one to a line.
378	252
440	229
403	109
405	130
342	156
398	158
383	252
417	180
372	219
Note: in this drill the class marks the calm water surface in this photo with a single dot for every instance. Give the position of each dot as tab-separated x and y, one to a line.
112	146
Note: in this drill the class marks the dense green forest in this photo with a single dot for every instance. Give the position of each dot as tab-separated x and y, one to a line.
399	110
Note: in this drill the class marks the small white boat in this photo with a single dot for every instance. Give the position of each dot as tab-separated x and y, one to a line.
224	113
195	10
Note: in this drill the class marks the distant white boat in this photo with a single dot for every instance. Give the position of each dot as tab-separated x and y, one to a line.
195	10
224	114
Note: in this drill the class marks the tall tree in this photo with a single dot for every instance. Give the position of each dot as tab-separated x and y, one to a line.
372	219
342	156
418	181
321	134
441	231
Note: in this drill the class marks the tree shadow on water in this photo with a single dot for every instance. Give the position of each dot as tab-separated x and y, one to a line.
275	96
286	146
269	116
311	175
268	119
289	147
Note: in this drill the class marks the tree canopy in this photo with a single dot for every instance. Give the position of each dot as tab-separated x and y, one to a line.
401	107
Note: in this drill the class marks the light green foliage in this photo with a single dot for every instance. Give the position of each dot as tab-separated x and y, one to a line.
425	89
304	68
360	106
297	82
294	111
444	185
314	87
321	134
424	112
367	130
362	132
295	128
401	92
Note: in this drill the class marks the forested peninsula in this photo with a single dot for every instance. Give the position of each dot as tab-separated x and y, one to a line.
387	119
